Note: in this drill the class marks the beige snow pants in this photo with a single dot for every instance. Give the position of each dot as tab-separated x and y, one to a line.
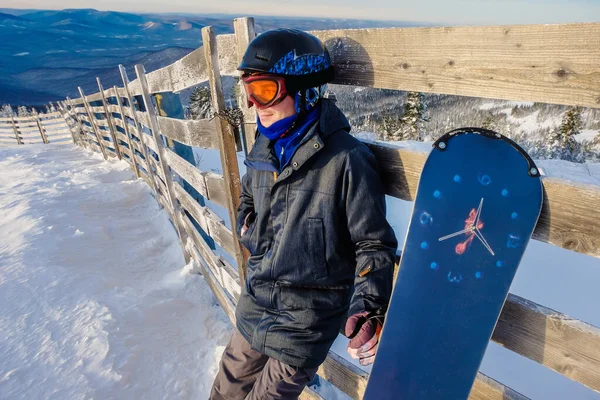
245	374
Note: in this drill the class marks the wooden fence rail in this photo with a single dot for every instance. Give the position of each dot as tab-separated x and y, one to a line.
546	63
40	128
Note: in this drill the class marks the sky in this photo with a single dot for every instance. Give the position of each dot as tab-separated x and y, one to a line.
455	12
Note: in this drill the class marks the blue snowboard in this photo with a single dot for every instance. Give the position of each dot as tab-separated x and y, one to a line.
478	201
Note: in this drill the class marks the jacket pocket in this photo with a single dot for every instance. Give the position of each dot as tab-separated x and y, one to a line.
249	238
316	240
311	298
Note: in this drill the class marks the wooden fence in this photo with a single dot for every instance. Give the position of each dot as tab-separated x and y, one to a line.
34	129
544	63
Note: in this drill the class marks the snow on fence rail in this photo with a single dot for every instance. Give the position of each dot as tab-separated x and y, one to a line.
36	129
545	63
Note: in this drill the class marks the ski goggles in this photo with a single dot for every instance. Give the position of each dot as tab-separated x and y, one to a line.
264	90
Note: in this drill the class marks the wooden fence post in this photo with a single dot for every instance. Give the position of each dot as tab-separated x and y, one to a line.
127	133
108	114
15	130
162	162
63	111
231	173
138	126
82	134
93	123
40	127
244	34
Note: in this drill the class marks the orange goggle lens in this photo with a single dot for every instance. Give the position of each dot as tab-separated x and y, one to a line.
264	91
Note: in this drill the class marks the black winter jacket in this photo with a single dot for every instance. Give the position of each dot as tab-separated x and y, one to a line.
317	226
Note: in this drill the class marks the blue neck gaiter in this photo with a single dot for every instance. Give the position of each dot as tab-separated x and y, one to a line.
287	137
277	129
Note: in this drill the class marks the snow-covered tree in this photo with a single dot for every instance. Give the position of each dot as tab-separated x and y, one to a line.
413	118
489	123
592	149
200	103
561	143
392	125
6	111
50	108
23	111
410	125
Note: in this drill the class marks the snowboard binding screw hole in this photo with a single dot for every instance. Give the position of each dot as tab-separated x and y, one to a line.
442	145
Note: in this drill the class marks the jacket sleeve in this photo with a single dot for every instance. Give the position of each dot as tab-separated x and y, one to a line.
246	203
374	241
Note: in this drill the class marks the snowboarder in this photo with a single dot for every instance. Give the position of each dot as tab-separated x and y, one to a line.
312	215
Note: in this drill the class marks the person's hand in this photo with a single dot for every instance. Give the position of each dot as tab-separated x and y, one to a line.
363	330
247	221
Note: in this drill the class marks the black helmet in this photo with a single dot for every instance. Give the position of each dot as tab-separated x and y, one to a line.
299	56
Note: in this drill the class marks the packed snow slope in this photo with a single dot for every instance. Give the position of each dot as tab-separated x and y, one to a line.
96	299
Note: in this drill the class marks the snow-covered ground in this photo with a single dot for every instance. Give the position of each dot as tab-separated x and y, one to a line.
96	299
97	302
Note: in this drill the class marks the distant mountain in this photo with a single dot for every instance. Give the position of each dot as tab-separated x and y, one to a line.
5	17
48	53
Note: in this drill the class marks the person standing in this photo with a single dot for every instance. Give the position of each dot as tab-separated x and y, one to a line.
312	215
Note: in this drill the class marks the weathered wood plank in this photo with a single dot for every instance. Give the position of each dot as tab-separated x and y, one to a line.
563	344
198	133
183	73
227	145
97	109
6	119
544	63
51	115
102	123
94	97
23	120
208	184
570	215
20	124
187	171
207	219
486	388
189	71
